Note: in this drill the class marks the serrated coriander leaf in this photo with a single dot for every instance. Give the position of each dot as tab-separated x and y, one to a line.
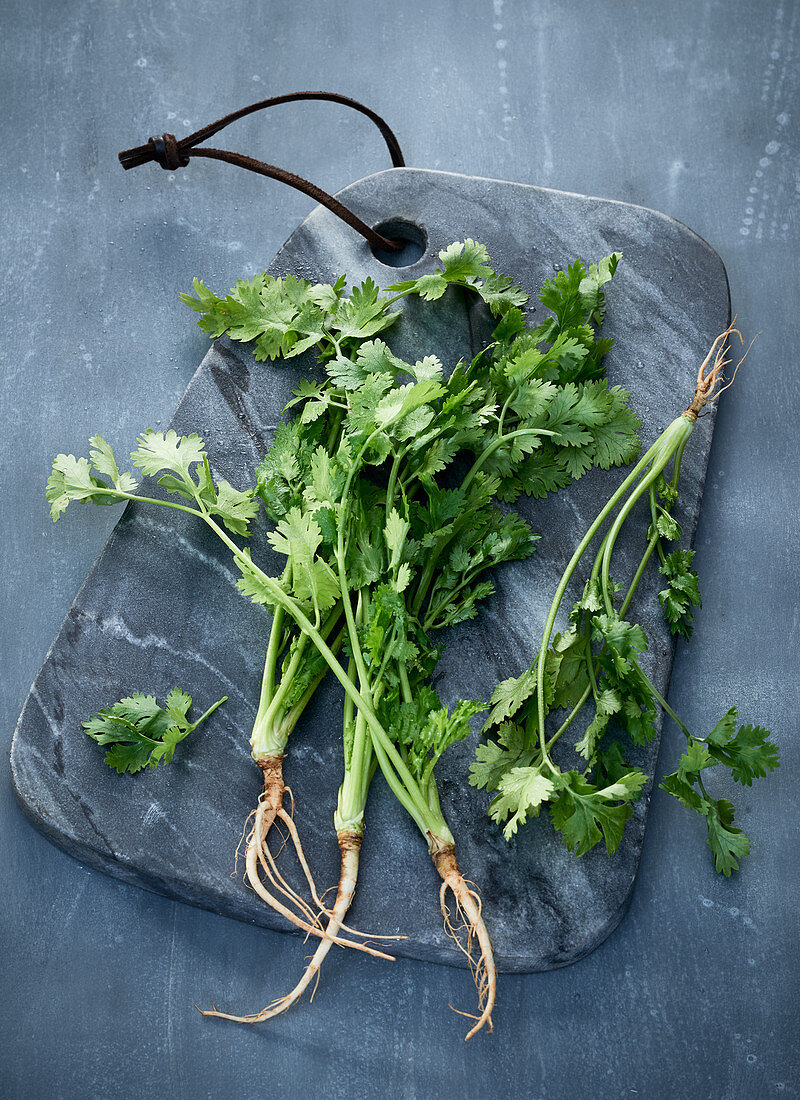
684	792
465	258
584	814
522	790
234	508
299	537
728	844
105	464
494	758
177	705
71	479
696	759
160	451
682	592
252	584
510	695
748	753
139	733
431	287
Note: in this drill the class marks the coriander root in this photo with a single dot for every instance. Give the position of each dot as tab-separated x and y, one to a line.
468	908
258	859
350	848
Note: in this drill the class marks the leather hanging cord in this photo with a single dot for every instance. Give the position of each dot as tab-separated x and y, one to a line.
172	153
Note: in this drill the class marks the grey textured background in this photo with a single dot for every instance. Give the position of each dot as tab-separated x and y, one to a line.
688	107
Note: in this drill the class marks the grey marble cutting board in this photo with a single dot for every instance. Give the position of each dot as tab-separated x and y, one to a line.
159	606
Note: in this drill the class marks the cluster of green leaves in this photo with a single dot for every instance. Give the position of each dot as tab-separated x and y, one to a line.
597	661
383	485
139	733
682	592
167	457
283	317
749	755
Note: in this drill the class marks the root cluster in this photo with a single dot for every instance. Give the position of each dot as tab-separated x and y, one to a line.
469	924
710	375
266	879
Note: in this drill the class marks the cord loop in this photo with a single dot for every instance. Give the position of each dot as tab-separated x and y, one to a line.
172	153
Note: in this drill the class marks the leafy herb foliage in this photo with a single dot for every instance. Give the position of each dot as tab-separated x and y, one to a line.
597	662
138	733
383	489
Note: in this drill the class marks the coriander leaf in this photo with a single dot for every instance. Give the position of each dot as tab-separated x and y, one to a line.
584	813
510	695
106	465
684	792
726	842
464	259
607	704
159	451
71	479
140	733
682	592
363	314
694	760
299	537
234	508
494	758
522	790
748	753
432	731
431	287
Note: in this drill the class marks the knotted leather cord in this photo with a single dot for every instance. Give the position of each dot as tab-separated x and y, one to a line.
172	153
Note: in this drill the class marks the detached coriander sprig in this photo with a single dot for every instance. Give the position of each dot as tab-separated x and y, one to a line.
138	733
597	662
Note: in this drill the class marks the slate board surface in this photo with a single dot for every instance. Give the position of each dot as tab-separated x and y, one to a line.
159	607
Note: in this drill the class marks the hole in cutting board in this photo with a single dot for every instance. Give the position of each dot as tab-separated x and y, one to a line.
414	238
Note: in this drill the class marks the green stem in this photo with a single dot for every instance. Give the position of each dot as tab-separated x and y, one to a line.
652	455
587	691
654	520
286	724
674	440
592	687
405	788
493	446
659	698
613	534
271	661
390	488
210	711
149	500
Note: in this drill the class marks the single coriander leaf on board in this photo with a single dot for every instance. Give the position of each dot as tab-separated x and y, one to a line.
139	733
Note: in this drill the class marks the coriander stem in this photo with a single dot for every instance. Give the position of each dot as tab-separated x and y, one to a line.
630	480
661	700
587	691
210	711
638	575
405	788
149	500
271	661
655	540
487	452
670	440
291	717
